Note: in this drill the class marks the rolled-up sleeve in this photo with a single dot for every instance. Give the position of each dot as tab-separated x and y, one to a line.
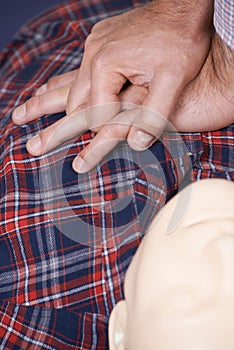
224	21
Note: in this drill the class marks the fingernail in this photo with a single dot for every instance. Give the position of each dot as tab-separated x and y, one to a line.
42	89
142	140
35	144
19	113
80	165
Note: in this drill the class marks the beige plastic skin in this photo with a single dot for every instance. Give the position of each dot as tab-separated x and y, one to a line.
179	288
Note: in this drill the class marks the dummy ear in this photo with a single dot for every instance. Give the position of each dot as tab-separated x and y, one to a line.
117	327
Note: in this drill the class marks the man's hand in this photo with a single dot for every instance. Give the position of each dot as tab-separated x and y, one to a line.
157	49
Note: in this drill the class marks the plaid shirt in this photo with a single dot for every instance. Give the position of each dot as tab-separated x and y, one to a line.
57	293
224	21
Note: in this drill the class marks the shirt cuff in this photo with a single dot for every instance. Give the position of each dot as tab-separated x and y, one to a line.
224	21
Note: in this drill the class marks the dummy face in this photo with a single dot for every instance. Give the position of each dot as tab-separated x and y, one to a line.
179	288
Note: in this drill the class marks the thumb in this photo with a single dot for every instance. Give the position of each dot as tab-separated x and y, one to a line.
154	112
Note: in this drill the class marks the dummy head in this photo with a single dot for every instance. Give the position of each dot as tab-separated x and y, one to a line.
179	288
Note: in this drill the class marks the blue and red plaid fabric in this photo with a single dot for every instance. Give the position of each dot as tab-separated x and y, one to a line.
57	293
224	21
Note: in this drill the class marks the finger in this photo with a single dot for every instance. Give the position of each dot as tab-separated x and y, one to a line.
133	94
81	86
58	133
155	111
57	82
79	91
106	139
104	91
53	101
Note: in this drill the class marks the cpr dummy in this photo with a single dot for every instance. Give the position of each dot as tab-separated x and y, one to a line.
179	288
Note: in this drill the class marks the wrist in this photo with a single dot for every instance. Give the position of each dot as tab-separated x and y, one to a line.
223	60
192	18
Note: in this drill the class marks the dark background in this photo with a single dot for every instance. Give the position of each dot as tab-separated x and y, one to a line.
14	13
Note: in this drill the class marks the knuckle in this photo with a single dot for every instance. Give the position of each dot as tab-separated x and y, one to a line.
48	136
97	26
52	82
91	38
92	45
108	48
33	105
63	92
112	131
99	61
94	128
85	153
